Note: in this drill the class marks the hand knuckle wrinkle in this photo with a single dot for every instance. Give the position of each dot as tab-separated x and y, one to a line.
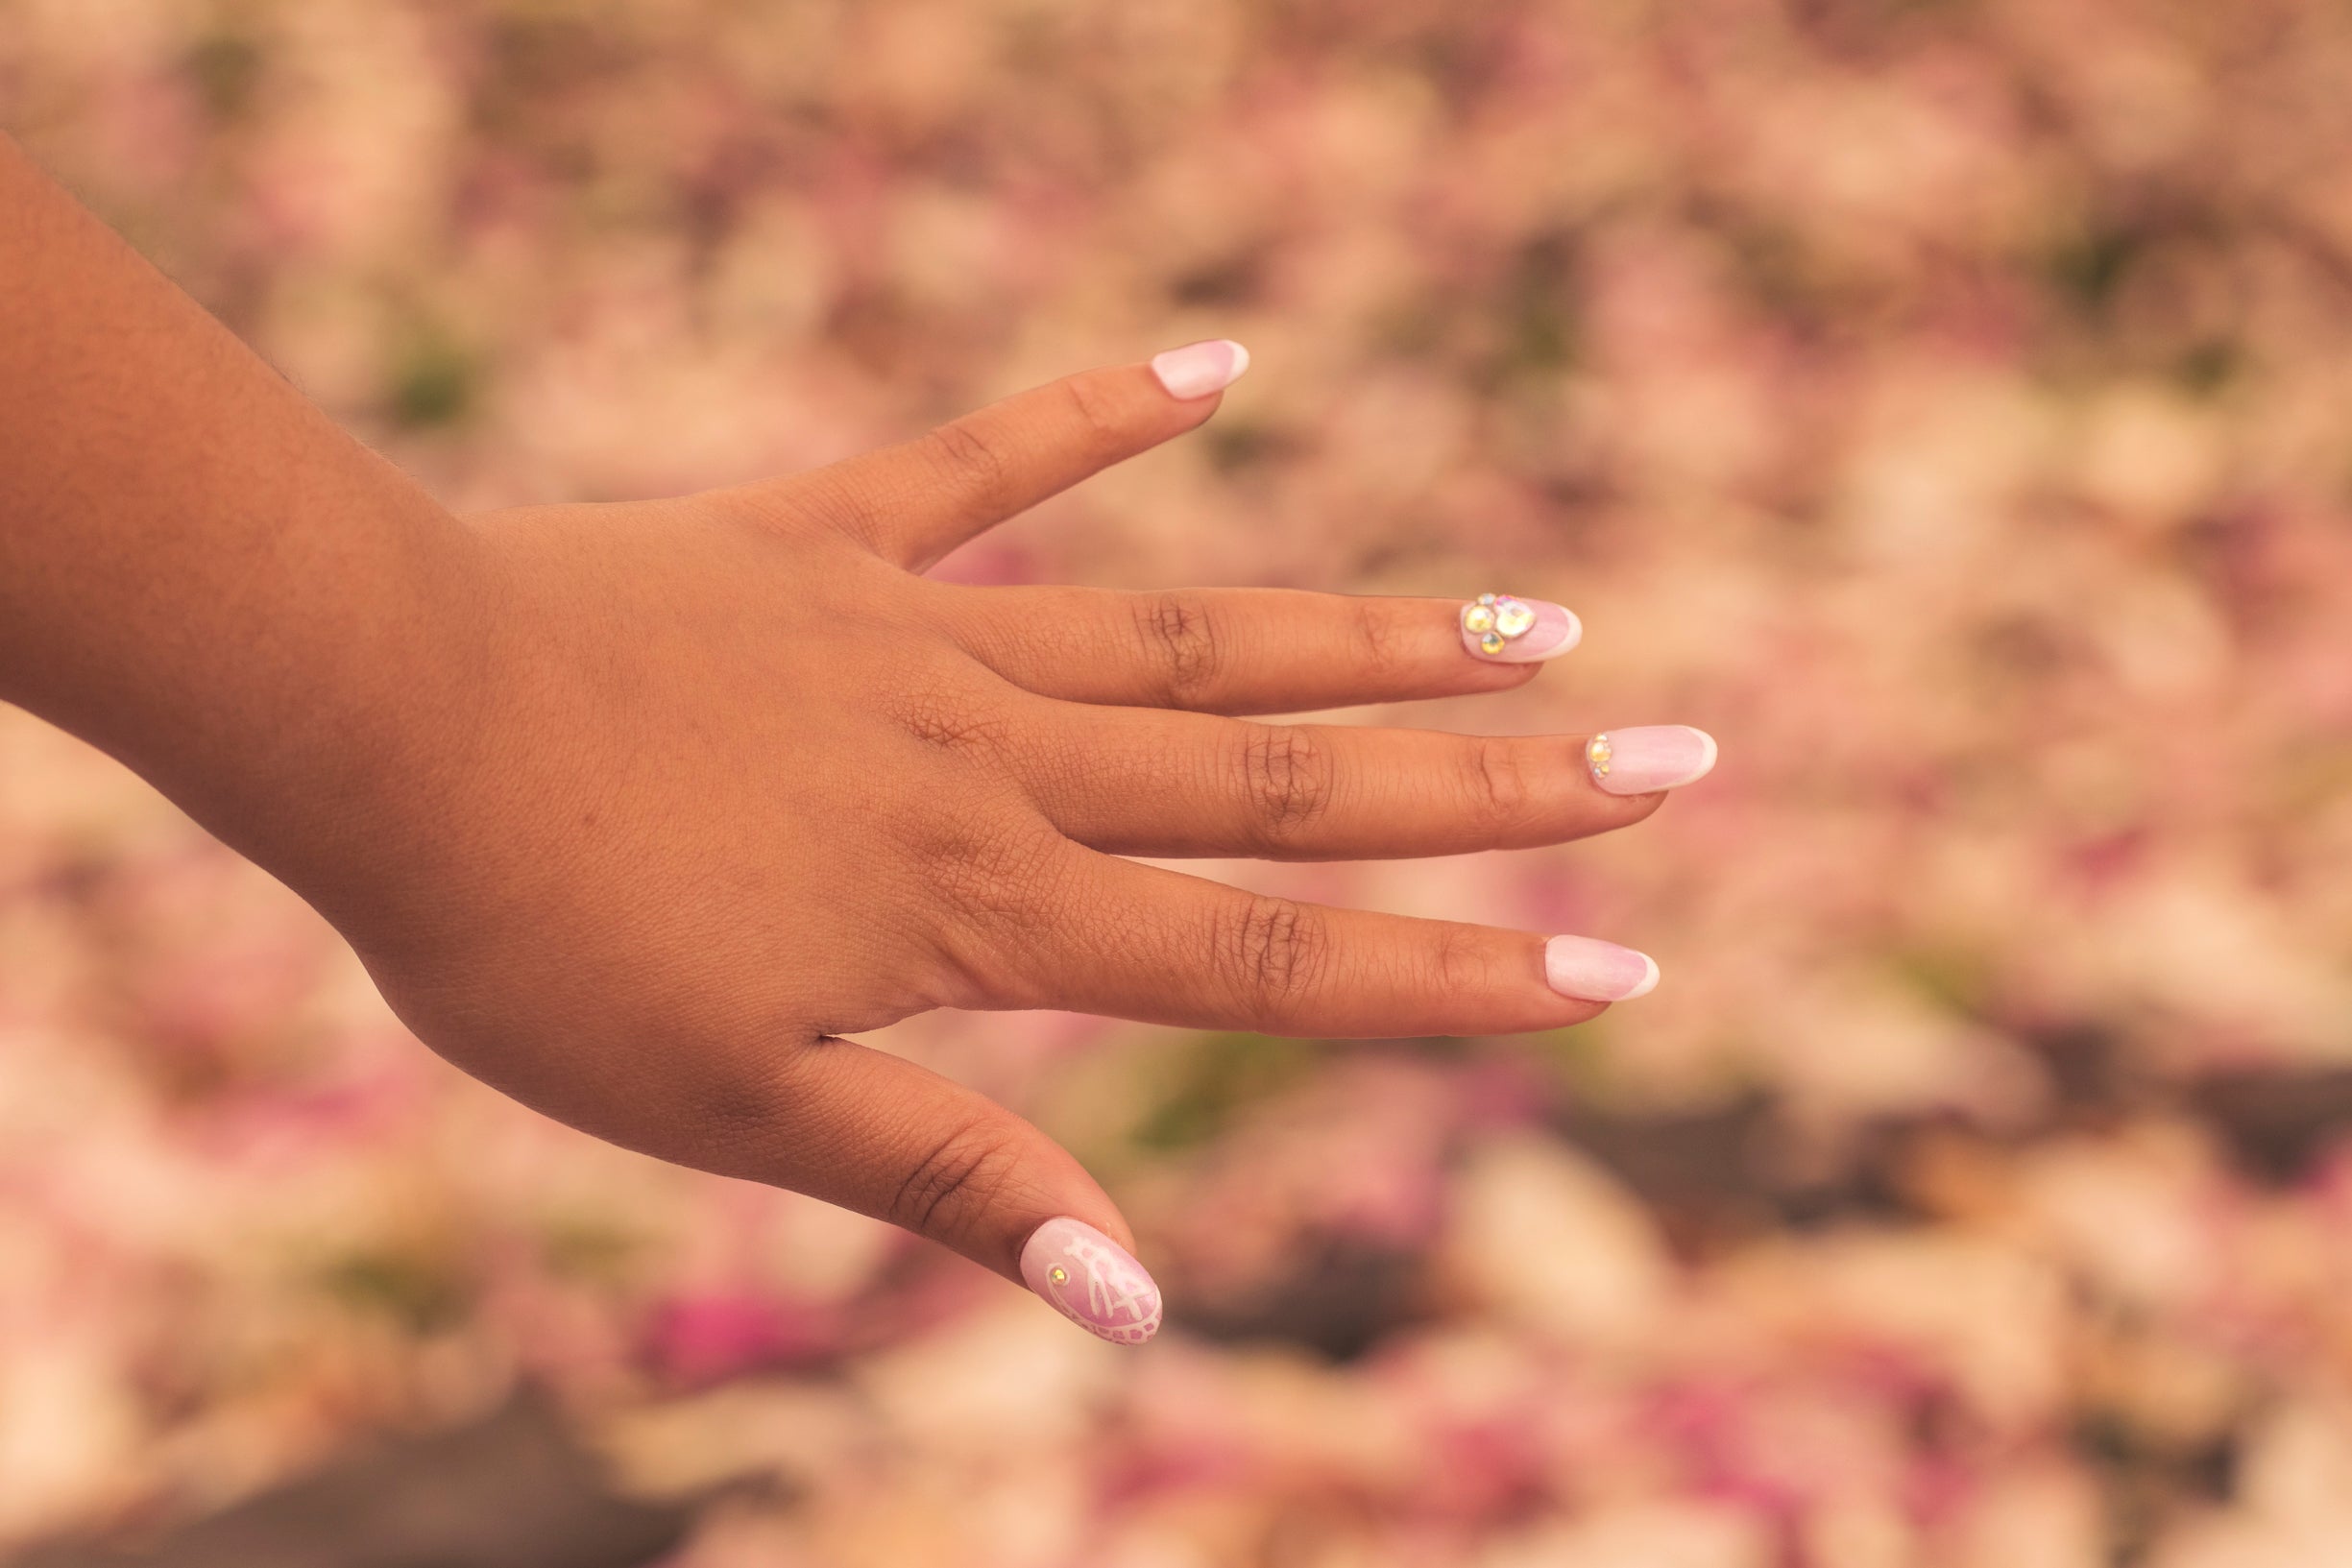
961	1173
1276	950
1497	780
1181	635
980	460
1285	776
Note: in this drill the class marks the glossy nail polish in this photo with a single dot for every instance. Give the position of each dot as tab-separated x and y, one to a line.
1506	631
1650	758
1198	368
1092	1281
1595	971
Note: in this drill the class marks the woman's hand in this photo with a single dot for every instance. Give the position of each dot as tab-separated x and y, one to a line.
634	810
733	781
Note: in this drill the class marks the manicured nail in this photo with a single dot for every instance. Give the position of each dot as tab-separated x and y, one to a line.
1654	757
1590	971
1506	631
1092	1281
1198	368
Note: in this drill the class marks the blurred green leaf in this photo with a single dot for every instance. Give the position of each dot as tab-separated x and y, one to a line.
1215	1077
423	1294
435	380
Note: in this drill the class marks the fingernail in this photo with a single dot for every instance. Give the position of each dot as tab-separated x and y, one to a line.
1092	1281
1590	971
1653	757
1198	368
1506	631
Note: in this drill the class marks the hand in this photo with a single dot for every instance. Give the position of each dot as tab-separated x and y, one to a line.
731	781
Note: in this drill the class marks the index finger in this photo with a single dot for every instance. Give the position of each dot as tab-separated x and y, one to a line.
916	501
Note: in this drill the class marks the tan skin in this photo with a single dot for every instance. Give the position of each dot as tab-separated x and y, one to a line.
634	810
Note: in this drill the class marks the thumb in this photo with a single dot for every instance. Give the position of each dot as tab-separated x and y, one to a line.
879	1134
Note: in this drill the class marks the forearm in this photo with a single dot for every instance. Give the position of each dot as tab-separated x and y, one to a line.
199	571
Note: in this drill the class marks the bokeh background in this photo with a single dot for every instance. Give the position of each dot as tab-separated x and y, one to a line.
1942	401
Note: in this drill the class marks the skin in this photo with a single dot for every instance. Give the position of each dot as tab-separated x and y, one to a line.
634	810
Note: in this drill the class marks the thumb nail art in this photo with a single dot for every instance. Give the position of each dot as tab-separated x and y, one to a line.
1092	1281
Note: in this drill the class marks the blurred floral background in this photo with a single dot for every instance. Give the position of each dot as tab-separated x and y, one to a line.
1942	401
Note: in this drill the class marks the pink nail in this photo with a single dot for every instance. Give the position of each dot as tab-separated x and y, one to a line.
1590	971
1654	757
1092	1281
1506	631
1198	368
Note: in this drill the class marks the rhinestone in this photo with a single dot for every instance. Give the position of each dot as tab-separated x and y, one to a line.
1486	598
1597	752
1513	618
1058	1274
1491	642
1478	619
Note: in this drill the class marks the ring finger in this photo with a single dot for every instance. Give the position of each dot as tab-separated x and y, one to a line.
1139	782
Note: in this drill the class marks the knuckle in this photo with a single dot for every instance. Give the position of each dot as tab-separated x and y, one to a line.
836	498
1495	777
1383	650
1462	963
1275	950
1286	778
1095	412
951	718
999	892
997	873
1181	635
965	449
958	1177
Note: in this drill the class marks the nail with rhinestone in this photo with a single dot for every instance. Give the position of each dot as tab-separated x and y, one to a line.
1509	630
1653	757
1092	1281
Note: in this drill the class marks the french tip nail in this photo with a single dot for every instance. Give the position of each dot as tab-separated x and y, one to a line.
1648	981
1649	758
1586	969
1707	764
1092	1281
1198	368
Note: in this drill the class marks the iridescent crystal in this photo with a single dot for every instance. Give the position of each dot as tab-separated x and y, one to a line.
1478	619
1597	753
1513	618
1491	642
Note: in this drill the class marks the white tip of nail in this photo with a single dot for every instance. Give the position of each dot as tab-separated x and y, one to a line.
1197	370
1705	768
1648	981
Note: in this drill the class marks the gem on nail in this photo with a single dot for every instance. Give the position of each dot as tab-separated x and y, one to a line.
1596	756
1498	620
